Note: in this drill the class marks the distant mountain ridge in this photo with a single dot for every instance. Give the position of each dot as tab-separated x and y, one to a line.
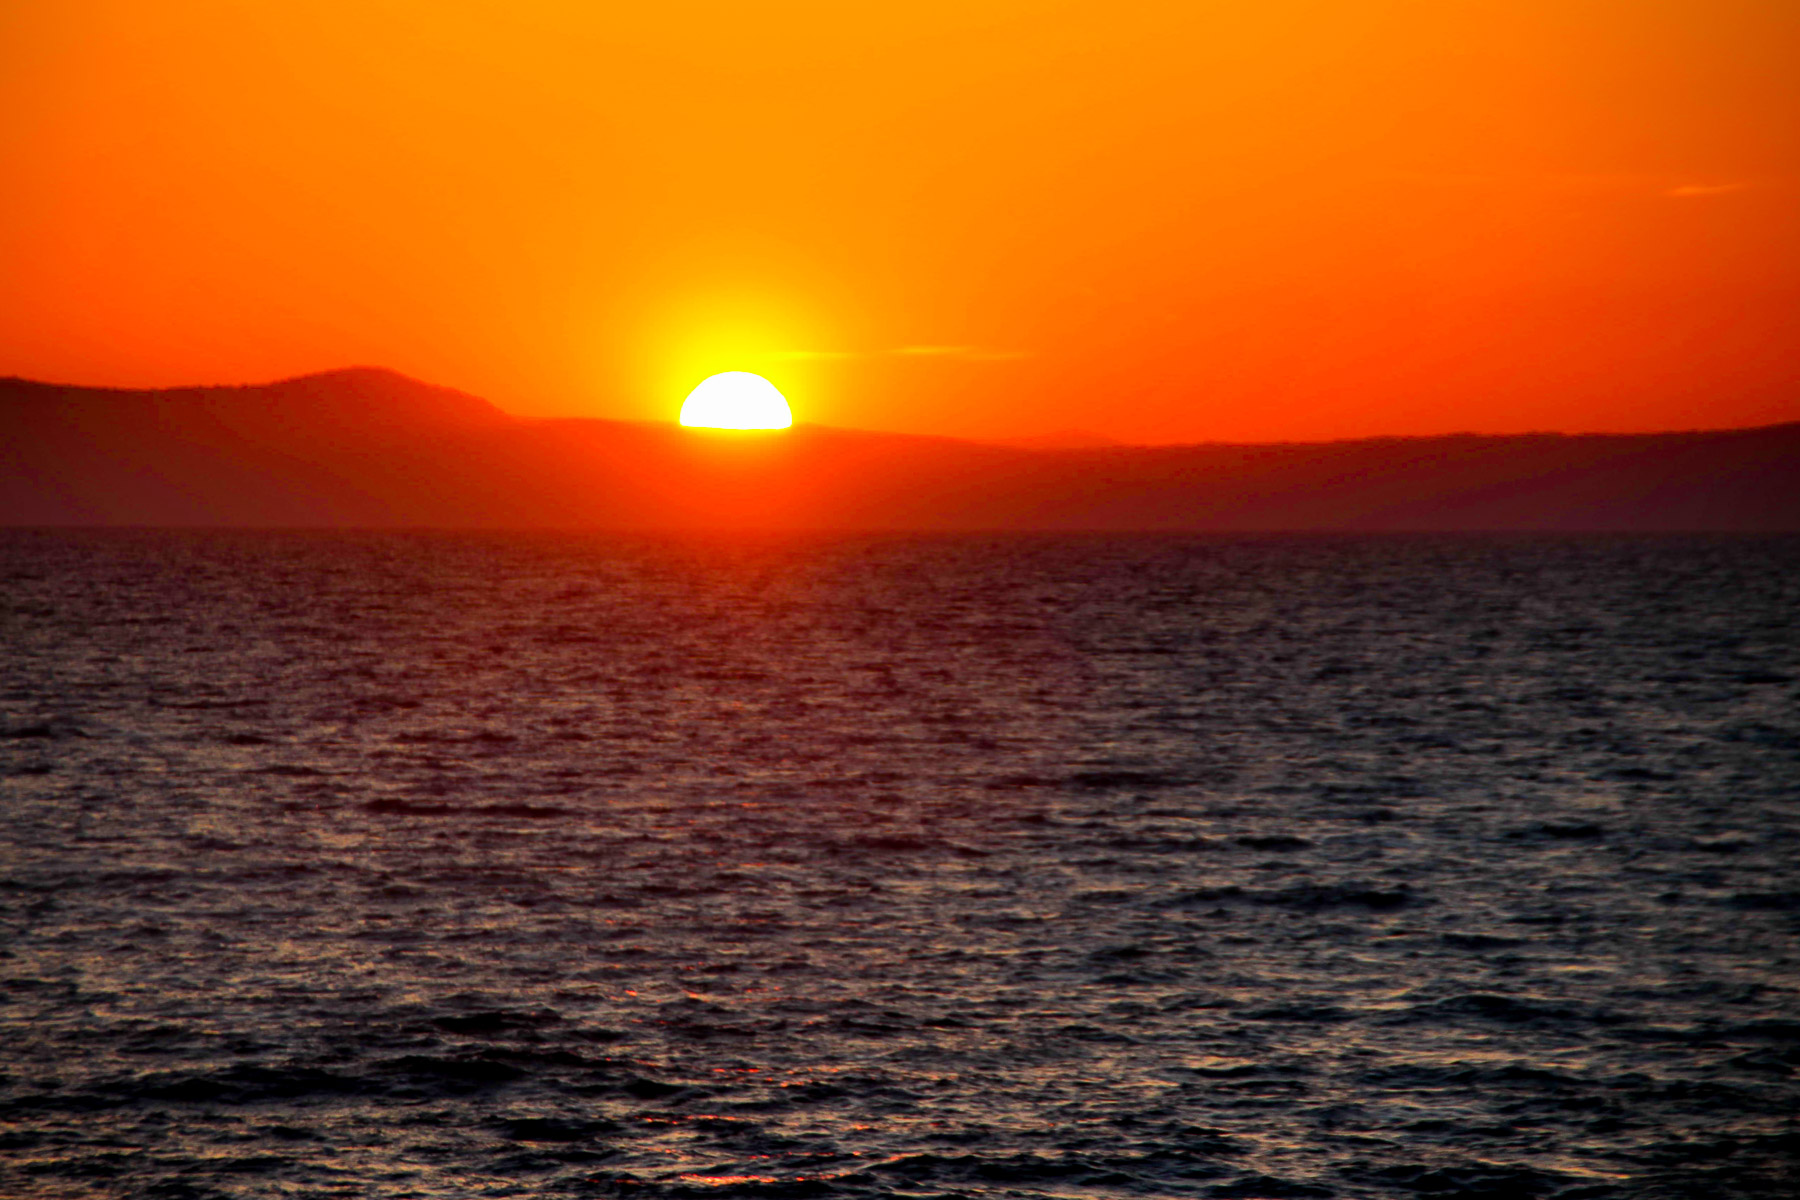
364	399
368	447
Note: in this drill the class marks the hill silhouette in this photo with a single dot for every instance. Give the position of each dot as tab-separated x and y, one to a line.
369	447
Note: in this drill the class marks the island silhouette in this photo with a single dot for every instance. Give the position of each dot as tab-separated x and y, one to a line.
368	447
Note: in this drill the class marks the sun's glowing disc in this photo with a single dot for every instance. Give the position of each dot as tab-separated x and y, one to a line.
736	400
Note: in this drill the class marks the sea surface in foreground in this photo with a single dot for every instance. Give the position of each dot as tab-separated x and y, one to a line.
433	866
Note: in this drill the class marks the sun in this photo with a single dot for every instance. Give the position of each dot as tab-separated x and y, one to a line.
736	400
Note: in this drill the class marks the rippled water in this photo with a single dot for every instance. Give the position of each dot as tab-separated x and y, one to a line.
339	865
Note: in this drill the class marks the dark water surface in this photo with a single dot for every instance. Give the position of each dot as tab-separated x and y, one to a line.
412	865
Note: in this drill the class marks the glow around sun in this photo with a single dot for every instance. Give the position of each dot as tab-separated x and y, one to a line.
736	400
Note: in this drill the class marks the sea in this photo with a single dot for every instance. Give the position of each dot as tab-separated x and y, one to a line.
417	864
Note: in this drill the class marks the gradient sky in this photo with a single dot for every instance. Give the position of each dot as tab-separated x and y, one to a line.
1287	219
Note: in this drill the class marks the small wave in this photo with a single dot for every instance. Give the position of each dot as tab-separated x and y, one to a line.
1558	831
1410	1076
497	1021
555	1129
1273	841
450	1075
1308	897
1315	1013
1765	901
388	806
1488	1006
1474	1182
1096	781
1266	1187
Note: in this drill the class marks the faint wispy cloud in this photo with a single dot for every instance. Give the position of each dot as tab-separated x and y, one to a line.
961	353
1689	190
966	353
1567	182
812	355
931	351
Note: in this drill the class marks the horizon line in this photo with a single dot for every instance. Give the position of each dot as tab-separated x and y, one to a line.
1013	443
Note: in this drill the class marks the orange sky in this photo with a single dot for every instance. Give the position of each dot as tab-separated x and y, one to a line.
1160	222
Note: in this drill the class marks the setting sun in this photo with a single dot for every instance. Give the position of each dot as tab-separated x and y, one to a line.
736	400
